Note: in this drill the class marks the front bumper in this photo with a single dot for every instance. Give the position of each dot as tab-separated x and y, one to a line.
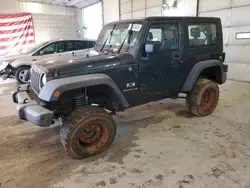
29	109
224	74
224	77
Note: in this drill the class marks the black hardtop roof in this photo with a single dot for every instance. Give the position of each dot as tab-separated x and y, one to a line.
159	18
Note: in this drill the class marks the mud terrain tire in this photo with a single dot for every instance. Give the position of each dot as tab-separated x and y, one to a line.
203	98
87	131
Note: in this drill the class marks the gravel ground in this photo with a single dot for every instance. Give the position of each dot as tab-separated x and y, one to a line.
158	145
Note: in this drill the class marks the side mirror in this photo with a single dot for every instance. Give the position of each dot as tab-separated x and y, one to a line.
41	53
152	48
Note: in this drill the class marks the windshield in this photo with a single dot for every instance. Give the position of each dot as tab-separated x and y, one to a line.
30	50
120	33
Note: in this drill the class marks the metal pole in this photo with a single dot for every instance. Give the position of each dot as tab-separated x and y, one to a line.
102	13
197	8
119	9
132	7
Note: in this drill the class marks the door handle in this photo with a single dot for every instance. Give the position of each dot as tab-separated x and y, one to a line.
143	58
176	57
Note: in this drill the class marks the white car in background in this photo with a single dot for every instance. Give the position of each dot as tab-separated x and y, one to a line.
18	66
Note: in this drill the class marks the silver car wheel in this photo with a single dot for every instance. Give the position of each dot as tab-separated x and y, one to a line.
22	75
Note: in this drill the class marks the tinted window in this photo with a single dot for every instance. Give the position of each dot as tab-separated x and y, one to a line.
50	49
70	46
91	44
56	47
60	47
202	34
164	34
86	44
79	45
31	50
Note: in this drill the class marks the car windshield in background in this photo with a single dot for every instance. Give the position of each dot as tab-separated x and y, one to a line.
35	48
119	35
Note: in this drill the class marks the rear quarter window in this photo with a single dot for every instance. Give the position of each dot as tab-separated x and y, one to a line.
204	34
79	45
91	44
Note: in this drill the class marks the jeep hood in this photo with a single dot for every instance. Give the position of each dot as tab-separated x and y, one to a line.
77	66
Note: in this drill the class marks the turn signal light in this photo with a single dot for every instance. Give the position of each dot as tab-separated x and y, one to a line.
56	94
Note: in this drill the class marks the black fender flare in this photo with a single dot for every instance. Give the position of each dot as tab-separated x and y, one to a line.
196	71
62	85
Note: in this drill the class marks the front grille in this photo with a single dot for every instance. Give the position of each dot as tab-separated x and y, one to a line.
33	95
34	80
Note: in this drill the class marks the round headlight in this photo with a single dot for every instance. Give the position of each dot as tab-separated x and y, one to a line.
43	80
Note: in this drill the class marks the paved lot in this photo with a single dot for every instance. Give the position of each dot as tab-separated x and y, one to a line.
157	145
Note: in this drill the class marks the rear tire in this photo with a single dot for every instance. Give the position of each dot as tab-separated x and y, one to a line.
203	98
87	131
21	75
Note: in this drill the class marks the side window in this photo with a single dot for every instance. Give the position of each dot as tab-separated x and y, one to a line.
60	47
166	35
50	49
85	44
70	46
79	45
155	34
57	47
91	44
202	34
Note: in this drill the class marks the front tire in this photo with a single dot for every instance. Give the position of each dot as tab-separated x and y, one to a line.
203	98
87	131
22	75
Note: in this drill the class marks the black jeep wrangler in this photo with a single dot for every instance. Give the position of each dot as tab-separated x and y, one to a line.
136	62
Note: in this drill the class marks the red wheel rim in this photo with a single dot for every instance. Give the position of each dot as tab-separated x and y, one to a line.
93	137
208	99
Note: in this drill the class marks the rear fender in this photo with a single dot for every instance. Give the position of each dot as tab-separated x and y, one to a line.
197	70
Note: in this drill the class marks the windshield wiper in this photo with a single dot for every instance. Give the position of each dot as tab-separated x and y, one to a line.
110	34
130	32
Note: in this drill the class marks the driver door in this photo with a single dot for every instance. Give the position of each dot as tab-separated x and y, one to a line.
159	69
